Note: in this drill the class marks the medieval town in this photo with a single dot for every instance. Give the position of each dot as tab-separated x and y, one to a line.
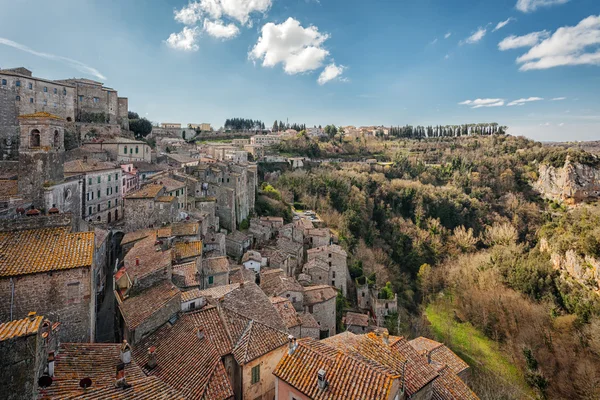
140	268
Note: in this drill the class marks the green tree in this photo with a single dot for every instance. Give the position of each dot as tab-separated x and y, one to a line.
140	127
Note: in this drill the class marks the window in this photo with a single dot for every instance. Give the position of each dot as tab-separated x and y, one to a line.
363	294
45	102
136	149
80	98
18	83
211	280
45	89
117	176
64	92
99	179
109	204
255	374
31	99
310	309
96	100
131	151
31	86
98	193
90	210
3	82
73	292
109	178
386	305
98	208
56	140
192	305
329	255
55	91
89	181
116	188
333	274
18	98
125	150
34	138
332	283
107	191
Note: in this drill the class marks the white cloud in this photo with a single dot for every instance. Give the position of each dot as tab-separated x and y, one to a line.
238	10
447	35
559	98
434	41
447	56
219	30
529	40
475	37
502	24
330	72
478	103
78	65
184	40
532	5
520	102
561	124
569	45
299	49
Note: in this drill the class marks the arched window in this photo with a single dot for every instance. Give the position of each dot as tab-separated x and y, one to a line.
34	138
56	140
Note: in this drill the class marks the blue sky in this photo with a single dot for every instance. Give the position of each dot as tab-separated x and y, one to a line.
386	61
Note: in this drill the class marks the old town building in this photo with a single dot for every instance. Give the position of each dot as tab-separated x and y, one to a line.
319	301
149	207
336	260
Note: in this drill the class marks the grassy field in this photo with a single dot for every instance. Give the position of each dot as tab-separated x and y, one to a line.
480	352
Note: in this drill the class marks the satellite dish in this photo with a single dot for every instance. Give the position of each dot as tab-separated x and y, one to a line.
45	381
85	383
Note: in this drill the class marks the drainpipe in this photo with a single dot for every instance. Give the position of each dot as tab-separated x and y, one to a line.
12	297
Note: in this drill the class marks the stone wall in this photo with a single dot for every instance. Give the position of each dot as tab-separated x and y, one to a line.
43	221
123	113
324	313
22	360
9	132
89	131
66	296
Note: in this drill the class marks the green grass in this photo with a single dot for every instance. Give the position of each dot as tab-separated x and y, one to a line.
471	345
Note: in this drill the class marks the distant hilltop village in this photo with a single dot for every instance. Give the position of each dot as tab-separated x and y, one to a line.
142	267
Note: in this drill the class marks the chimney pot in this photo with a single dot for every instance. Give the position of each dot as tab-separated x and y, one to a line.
137	261
200	333
151	358
31	315
125	352
322	379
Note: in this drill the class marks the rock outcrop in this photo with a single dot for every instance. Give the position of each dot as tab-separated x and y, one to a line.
573	183
585	270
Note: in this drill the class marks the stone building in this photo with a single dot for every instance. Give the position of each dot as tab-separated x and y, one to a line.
173	187
368	299
253	260
149	207
274	282
214	272
356	323
299	325
265	140
320	302
122	150
236	244
336	259
294	250
102	200
318	237
50	271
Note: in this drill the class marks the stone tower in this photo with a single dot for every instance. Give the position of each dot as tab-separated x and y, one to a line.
41	154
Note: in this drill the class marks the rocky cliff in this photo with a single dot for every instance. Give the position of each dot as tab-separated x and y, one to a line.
572	183
585	270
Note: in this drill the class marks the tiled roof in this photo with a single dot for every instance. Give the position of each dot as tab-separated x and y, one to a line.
146	192
241	274
288	246
164	232
318	232
317	263
183	250
40	115
185	362
137	309
190	295
237	236
250	301
255	340
209	319
97	361
286	311
215	265
319	294
251	255
356	319
189	273
348	377
80	166
148	388
169	183
308	320
448	386
219	291
131	237
418	372
165	199
332	248
149	259
275	283
8	188
143	166
20	327
44	250
185	229
439	353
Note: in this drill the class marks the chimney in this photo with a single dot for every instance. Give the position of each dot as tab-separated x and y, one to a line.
428	357
322	380
51	363
120	378
137	261
200	333
151	364
292	345
386	337
125	353
31	315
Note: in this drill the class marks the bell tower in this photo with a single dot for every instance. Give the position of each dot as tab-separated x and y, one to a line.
41	154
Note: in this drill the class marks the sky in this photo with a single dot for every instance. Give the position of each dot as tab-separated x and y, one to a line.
532	65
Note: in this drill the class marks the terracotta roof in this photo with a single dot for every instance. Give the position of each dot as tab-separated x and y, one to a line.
332	248
43	250
131	237
185	229
189	273
241	274
190	295
164	232
148	388
317	263
418	372
97	361
80	166
143	166
318	232
275	283
146	192
183	250
20	327
286	311
149	259
40	115
169	183
165	199
308	320
250	301
348	377
251	255
319	294
185	362
8	188
214	327
448	386
439	353
136	309
215	265
356	319
237	236
289	246
219	291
